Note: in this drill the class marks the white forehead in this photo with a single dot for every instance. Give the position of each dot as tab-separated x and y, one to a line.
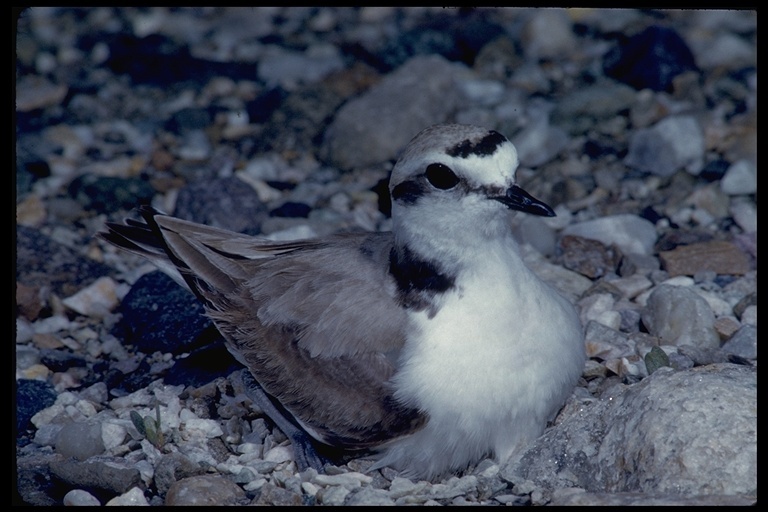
478	155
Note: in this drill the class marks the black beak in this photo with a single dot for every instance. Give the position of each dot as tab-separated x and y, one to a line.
518	199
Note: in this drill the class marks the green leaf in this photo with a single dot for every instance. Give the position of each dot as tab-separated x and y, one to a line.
655	359
138	422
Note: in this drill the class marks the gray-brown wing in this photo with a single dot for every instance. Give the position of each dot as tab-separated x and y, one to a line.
313	320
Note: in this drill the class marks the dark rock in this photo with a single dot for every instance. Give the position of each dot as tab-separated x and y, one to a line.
291	209
158	315
588	257
714	170
129	379
61	360
261	108
107	475
35	484
160	61
650	59
203	365
41	261
191	118
32	396
457	38
107	194
227	203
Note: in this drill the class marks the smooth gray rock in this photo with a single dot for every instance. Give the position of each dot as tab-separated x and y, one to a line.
374	127
80	440
204	490
678	315
690	432
673	143
743	343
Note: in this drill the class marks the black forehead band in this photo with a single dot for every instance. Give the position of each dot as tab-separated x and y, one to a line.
484	147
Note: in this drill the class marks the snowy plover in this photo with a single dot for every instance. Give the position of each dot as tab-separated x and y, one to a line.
432	345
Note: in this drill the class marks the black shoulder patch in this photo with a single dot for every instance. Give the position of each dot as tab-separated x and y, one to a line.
408	191
417	280
485	147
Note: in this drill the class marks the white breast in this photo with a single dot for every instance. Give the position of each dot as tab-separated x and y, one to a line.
498	359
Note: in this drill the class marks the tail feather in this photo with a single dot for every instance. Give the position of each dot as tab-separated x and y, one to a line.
170	244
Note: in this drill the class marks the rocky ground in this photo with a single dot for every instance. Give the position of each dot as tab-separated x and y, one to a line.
639	127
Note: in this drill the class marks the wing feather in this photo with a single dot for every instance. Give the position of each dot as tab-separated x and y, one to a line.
317	322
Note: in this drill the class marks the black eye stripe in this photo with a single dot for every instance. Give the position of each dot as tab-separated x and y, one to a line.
441	176
408	192
482	148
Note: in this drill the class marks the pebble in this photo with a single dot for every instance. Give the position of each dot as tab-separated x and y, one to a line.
743	343
204	490
369	496
80	440
133	498
674	143
95	300
631	233
740	178
35	92
726	326
717	256
679	316
548	34
583	108
724	51
539	142
80	498
650	59
106	474
749	316
744	213
31	212
587	257
289	68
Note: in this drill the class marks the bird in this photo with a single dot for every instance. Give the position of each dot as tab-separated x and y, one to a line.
428	347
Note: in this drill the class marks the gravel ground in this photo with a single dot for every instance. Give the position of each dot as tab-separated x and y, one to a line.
639	127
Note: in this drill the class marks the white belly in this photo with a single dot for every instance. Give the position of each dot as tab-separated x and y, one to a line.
496	361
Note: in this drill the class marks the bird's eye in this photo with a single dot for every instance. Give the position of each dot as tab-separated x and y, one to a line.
441	176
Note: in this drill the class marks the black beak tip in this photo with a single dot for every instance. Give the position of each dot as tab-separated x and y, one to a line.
518	199
547	211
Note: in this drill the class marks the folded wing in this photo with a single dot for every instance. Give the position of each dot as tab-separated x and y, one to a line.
315	321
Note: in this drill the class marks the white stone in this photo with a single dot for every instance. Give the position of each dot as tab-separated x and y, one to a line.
96	300
349	480
740	178
745	215
209	428
633	285
749	315
631	233
279	454
80	498
113	433
134	497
